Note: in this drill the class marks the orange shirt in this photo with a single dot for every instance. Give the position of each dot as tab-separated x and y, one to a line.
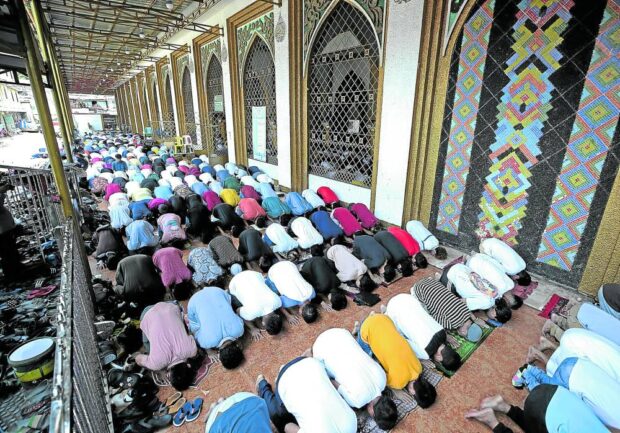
391	350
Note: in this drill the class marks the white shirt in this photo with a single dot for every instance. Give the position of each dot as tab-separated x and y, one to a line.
175	181
313	198
121	174
412	320
249	180
282	241
190	179
289	281
206	178
107	176
163	182
257	298
308	394
492	271
422	235
350	268
361	379
91	172
461	276
118	199
307	235
165	175
504	254
264	178
218	167
172	168
131	186
581	343
146	172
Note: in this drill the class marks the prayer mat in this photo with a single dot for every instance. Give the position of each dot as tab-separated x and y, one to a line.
398	277
161	378
524	292
556	304
405	403
465	348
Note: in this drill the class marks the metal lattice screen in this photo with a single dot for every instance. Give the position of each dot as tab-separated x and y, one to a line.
216	129
146	109
168	128
188	107
259	90
342	97
155	122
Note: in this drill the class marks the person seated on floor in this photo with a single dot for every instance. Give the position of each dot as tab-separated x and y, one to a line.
285	279
137	280
170	231
265	190
205	269
298	205
110	248
242	412
399	256
313	198
198	221
548	408
350	269
328	196
578	343
279	240
425	335
305	400
478	293
254	250
119	164
513	263
425	239
494	273
359	379
447	309
215	325
307	236
275	207
320	272
168	344
226	219
255	302
230	196
251	211
224	251
141	237
375	257
347	221
379	337
172	268
583	378
326	226
211	199
410	244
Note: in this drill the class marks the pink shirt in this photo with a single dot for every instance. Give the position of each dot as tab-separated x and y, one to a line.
403	236
110	189
248	191
251	209
170	225
346	220
169	342
328	196
364	215
170	263
211	199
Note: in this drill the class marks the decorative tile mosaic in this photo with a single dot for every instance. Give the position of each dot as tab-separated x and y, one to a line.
261	27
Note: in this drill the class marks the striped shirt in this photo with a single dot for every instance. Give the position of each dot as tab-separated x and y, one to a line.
445	307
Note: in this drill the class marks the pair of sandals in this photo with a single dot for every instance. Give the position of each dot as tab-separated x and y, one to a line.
188	412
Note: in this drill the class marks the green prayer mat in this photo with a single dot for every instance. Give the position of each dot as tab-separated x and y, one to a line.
466	348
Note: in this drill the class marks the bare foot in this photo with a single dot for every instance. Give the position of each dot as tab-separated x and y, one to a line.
383	309
326	307
356	328
496	403
545	344
437	276
547	327
485	416
293	320
554	318
534	354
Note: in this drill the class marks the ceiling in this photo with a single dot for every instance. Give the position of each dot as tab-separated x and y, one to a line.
100	43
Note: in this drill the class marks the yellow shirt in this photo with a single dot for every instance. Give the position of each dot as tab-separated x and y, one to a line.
391	350
230	196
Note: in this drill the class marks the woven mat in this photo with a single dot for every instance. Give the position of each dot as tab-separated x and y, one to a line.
556	304
405	403
465	348
161	377
524	292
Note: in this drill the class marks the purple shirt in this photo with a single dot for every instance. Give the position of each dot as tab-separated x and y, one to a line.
347	221
112	188
170	263
211	199
364	215
248	191
154	204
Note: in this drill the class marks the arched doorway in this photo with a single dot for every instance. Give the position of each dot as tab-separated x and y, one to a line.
259	90
215	100
343	78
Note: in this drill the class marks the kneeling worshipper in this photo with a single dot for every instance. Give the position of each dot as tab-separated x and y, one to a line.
265	190
478	293
584	315
360	381
494	273
379	337
347	221
215	325
224	251
255	301
312	197
513	263
547	409
211	200
298	205
248	191
321	274
137	280
426	240
585	379
367	219
254	250
307	236
120	216
172	268
328	196
242	412
326	225
110	247
198	220
251	211
275	207
227	219
426	337
375	257
230	197
350	268
278	239
410	244
204	268
609	299
305	400
284	279
399	256
169	345
141	237
170	230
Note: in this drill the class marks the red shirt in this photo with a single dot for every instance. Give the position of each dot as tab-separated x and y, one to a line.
328	196
251	209
407	241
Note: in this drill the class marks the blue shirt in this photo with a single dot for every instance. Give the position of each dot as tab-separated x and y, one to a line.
199	188
119	166
535	376
196	161
265	190
139	209
222	175
216	187
139	235
247	414
208	169
567	413
212	319
325	224
600	322
297	203
163	191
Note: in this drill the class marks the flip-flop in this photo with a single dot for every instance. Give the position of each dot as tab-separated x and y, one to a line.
181	416
176	406
196	408
173	398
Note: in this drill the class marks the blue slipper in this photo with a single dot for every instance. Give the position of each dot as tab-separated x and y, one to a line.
181	416
196	406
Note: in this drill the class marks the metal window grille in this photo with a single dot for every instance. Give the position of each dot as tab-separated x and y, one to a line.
146	109
188	108
216	129
259	89
168	128
342	97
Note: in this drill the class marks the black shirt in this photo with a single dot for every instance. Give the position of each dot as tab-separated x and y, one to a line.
137	280
227	216
108	240
372	252
149	183
178	206
321	273
438	339
251	245
392	245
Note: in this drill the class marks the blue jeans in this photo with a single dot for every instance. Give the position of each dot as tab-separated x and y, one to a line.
286	302
365	347
278	413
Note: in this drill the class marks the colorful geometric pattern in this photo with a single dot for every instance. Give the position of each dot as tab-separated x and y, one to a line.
464	113
522	112
590	141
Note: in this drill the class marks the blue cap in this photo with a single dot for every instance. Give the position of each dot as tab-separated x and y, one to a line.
474	333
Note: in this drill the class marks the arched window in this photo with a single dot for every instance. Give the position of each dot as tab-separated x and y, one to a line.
188	106
168	127
216	128
342	97
155	104
259	90
146	108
